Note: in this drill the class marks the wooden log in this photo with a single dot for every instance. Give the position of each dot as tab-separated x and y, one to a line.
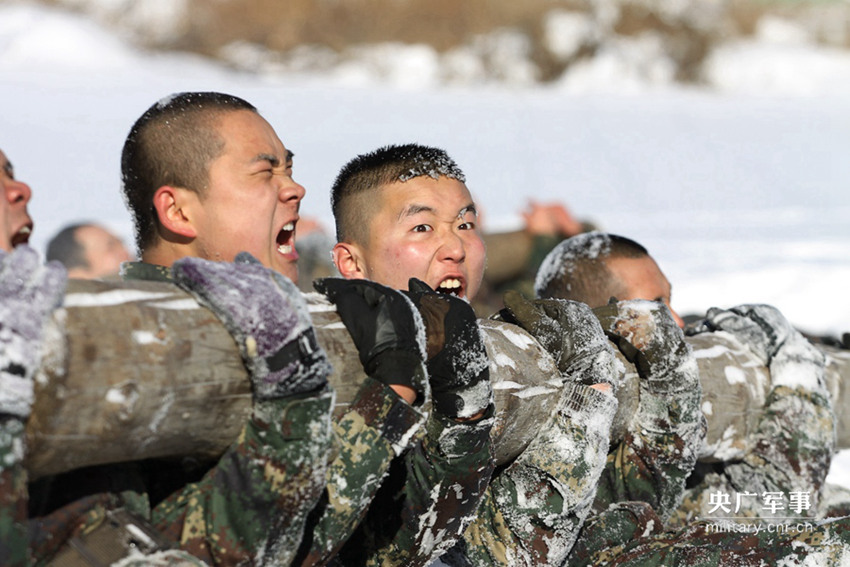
137	370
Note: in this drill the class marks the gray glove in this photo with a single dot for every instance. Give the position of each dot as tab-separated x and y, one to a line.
648	336
793	361
267	317
570	333
29	292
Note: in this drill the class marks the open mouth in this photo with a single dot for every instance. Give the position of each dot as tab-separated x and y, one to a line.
22	236
286	238
452	286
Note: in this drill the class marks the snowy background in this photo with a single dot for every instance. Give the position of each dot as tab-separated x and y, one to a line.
739	188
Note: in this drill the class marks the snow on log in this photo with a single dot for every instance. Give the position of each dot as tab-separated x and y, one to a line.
137	370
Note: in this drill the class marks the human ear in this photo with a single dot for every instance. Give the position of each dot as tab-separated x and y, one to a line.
348	260
172	205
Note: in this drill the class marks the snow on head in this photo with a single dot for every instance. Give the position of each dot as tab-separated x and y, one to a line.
588	246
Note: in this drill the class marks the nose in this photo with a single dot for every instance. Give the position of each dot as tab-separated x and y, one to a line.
292	192
452	247
17	192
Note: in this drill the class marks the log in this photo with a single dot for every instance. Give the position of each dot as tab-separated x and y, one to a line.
136	370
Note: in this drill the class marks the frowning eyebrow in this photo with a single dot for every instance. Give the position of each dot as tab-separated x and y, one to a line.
414	209
273	159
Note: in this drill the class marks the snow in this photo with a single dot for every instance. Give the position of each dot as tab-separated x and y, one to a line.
739	189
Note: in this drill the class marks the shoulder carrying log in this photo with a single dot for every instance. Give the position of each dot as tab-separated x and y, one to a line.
136	370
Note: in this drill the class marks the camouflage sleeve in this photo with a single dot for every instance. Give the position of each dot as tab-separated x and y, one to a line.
377	427
533	509
662	442
782	474
13	494
251	507
796	542
446	475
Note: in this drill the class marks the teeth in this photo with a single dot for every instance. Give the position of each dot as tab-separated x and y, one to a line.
25	230
451	283
285	248
289	226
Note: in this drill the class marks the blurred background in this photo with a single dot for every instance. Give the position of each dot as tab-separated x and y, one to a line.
571	43
716	133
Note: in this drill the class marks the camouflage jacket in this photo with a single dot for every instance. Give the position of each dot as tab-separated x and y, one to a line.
640	542
661	443
429	498
534	507
376	426
249	508
783	473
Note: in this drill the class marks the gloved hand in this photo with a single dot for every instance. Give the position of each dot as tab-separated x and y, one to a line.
267	316
648	336
761	327
458	366
29	292
772	338
570	333
385	328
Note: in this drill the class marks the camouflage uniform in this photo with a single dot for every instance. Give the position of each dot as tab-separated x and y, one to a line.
663	440
432	495
429	497
707	545
534	507
791	447
376	426
250	507
791	454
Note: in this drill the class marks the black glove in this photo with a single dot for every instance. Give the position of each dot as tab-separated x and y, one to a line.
569	332
384	327
267	317
458	367
29	292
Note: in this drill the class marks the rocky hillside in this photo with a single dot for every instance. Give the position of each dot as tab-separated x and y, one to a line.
473	41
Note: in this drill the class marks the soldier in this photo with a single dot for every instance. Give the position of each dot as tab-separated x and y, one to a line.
786	459
29	291
370	220
405	212
206	176
88	251
593	267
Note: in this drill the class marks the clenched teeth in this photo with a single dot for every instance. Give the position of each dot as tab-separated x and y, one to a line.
451	283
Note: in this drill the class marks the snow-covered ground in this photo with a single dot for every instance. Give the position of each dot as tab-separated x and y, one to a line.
740	192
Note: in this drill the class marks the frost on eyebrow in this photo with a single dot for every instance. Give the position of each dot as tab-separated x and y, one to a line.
467	209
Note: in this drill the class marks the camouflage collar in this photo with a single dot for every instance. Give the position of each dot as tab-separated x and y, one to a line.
145	271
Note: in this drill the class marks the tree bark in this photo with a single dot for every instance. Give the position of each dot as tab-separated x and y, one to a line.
136	370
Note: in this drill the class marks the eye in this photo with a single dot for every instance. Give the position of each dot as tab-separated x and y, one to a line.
467	226
422	228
